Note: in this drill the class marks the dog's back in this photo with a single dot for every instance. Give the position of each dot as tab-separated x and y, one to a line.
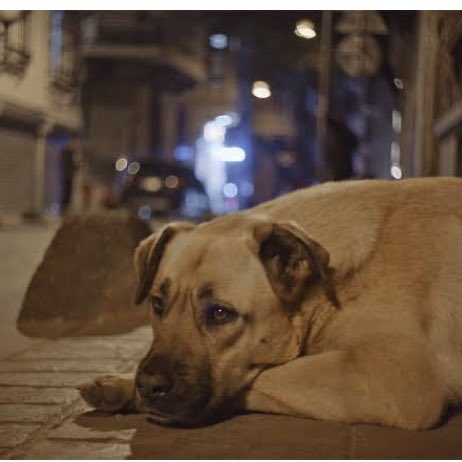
346	217
402	241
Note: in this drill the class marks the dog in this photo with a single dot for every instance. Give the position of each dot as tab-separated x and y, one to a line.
342	302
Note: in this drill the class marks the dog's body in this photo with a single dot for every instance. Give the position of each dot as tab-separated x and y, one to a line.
341	302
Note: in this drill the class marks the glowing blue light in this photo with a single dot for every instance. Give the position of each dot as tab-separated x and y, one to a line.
230	190
144	212
183	153
224	120
218	41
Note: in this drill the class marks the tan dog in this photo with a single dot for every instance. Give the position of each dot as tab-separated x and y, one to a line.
340	302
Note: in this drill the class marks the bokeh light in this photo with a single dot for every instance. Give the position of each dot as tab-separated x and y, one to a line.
261	89
121	164
305	29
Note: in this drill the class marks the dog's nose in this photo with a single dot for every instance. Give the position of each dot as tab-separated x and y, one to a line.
155	386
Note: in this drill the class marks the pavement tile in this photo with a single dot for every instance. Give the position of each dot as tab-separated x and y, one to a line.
374	442
52	449
13	434
44	379
72	431
57	365
31	395
27	412
81	349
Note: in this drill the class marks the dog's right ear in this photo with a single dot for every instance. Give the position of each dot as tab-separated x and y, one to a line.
149	253
292	260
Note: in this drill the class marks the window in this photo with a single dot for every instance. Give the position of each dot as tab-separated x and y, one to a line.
14	40
63	50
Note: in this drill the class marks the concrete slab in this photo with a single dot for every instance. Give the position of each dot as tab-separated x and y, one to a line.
14	434
36	395
83	450
59	365
28	413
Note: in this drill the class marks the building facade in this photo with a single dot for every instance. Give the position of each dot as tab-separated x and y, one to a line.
39	107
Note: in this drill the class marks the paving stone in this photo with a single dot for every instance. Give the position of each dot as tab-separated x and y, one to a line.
374	442
57	365
137	335
31	395
72	431
52	449
14	434
44	379
27	412
84	348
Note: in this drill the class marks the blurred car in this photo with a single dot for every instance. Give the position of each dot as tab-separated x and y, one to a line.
158	188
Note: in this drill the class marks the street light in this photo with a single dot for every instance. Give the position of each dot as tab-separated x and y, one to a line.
261	89
304	28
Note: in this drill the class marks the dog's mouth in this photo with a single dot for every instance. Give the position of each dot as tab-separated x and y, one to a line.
159	418
185	417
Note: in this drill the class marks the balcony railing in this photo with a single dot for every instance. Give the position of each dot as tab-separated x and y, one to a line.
15	44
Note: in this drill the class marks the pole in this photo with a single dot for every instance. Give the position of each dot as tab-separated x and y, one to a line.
426	78
323	93
39	178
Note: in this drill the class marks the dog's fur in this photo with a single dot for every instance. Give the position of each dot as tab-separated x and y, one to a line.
345	305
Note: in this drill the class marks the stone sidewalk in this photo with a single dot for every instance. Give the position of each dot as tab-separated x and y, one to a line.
42	417
38	402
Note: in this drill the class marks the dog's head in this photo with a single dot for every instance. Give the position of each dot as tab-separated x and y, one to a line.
224	298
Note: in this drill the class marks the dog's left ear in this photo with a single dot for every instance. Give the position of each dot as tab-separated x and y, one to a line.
292	260
149	253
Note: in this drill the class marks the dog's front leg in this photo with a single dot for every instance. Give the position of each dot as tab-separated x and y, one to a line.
110	393
333	386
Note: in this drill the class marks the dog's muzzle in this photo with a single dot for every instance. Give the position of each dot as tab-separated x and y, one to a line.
172	393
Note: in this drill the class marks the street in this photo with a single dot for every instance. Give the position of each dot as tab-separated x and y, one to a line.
43	417
21	249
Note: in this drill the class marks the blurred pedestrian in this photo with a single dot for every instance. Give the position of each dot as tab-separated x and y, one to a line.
68	168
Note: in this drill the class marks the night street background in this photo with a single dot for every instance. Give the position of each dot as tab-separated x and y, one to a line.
113	123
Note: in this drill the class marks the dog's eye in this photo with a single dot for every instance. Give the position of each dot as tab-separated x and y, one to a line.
157	305
218	314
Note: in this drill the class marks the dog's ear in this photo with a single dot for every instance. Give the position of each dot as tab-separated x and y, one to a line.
292	260
149	253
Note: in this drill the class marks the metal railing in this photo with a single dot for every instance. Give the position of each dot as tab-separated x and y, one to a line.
15	44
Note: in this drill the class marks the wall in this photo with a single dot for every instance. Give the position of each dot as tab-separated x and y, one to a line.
32	91
32	111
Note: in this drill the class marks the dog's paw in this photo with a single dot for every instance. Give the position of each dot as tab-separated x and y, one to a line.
109	393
